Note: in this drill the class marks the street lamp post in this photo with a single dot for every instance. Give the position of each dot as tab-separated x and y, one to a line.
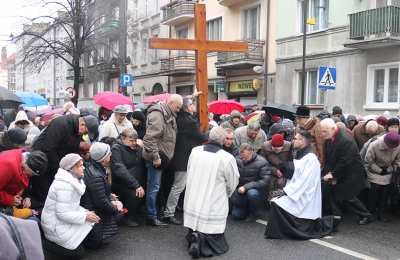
303	71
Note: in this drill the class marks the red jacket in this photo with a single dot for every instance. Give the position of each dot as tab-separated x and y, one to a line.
12	180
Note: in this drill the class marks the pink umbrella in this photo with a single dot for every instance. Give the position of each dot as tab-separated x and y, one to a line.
156	98
49	115
110	100
223	107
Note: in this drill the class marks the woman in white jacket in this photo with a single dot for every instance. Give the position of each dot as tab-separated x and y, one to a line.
117	123
64	222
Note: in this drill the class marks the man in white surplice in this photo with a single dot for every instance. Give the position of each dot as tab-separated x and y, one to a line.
297	212
212	177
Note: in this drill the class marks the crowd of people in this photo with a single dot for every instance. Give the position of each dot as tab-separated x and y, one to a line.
77	177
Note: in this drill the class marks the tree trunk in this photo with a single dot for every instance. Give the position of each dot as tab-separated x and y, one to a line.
77	76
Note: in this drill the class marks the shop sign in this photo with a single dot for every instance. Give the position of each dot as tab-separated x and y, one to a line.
241	86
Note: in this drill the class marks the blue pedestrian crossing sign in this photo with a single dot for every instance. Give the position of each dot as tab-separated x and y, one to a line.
327	78
125	80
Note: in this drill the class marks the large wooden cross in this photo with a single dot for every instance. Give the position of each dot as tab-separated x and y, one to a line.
201	46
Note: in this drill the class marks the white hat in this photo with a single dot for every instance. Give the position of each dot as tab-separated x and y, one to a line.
69	161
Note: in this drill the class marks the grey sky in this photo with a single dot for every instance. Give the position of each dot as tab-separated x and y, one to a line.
15	13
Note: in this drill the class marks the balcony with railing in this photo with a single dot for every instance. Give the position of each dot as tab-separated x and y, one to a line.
228	3
375	28
178	12
242	60
180	65
70	74
111	27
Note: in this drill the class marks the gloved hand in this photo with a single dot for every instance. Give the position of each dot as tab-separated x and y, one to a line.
390	169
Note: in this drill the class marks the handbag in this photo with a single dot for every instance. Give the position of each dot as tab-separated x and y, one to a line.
16	236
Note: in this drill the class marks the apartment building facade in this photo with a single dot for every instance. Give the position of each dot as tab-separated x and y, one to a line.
359	38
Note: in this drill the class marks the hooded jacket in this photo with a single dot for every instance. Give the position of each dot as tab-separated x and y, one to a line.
31	131
63	219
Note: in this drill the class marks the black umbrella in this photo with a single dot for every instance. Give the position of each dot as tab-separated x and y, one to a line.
282	110
9	99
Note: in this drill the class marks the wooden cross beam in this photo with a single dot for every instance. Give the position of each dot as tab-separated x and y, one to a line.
201	46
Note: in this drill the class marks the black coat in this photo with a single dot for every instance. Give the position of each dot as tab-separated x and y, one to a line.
60	138
188	137
97	198
343	160
255	173
127	166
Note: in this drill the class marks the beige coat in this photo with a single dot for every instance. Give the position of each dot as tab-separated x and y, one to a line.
160	134
378	157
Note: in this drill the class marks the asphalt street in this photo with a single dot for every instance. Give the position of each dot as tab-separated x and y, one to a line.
375	241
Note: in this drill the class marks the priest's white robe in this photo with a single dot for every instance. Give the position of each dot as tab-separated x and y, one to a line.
211	180
303	191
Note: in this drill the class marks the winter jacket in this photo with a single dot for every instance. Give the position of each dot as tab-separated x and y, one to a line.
31	131
97	198
277	160
188	137
344	162
254	174
30	238
112	128
63	219
360	133
60	138
318	141
241	138
229	124
12	180
127	166
160	138
381	162
232	150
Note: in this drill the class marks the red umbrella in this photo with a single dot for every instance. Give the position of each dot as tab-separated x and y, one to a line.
110	100
222	107
156	98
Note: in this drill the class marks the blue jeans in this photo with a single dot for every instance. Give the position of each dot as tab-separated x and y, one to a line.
246	204
153	186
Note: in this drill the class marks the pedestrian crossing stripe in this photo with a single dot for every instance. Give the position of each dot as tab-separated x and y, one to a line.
327	78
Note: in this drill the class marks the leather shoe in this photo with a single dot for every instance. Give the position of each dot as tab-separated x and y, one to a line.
173	220
365	221
156	223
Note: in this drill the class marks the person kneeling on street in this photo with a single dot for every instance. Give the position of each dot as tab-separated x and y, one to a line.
64	222
127	167
98	197
255	174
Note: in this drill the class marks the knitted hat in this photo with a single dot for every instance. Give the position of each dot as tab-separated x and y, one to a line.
303	111
277	140
69	161
336	110
393	121
37	162
99	151
391	140
16	136
382	120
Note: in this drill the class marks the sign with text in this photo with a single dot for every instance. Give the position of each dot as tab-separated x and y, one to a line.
241	86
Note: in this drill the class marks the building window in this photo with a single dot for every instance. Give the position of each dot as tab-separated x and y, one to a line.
214	29
115	13
182	33
318	9
100	86
144	51
251	23
92	58
312	94
383	84
134	54
114	49
100	53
